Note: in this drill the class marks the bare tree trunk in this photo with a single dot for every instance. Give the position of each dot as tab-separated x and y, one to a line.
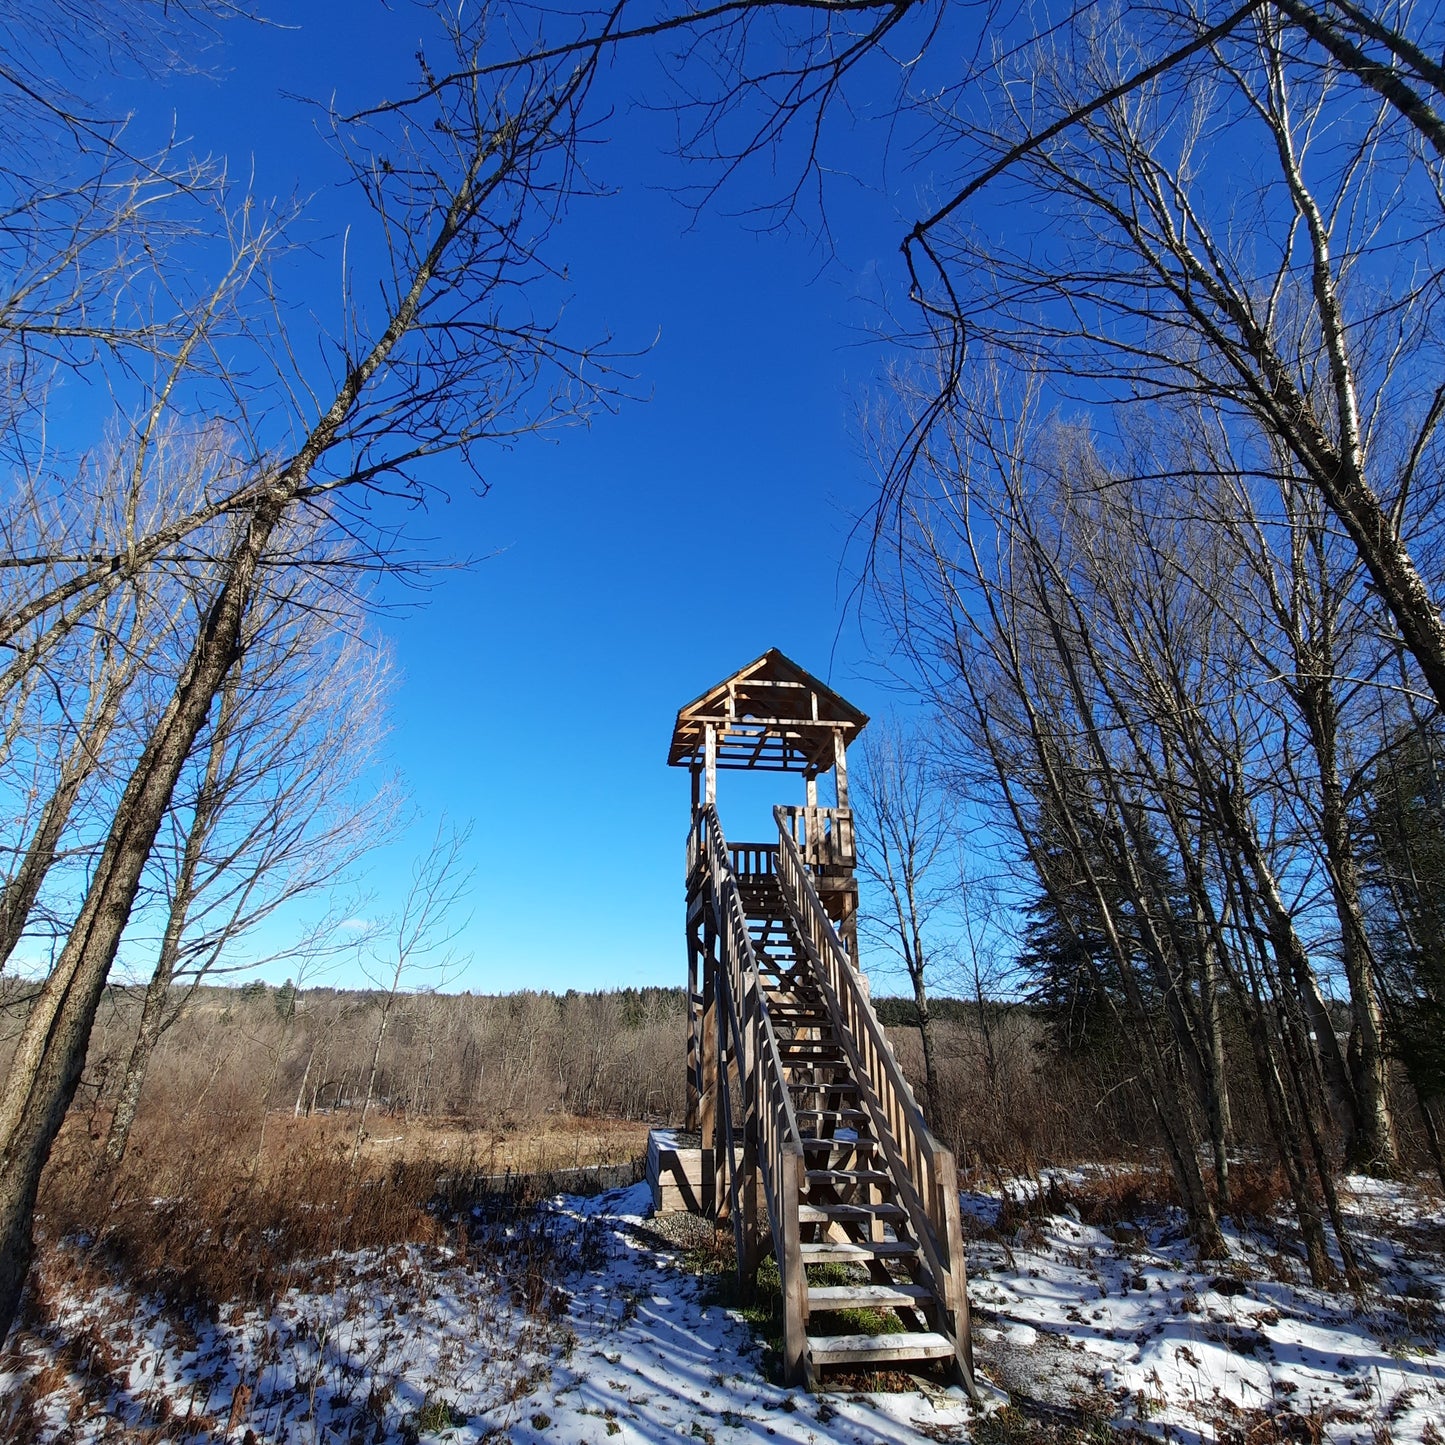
925	1038
157	995
50	1054
23	888
1295	969
305	1078
152	1019
371	1078
485	161
1217	1099
1177	1129
1430	1117
1372	1145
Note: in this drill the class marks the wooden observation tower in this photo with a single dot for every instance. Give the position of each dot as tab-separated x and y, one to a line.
812	1143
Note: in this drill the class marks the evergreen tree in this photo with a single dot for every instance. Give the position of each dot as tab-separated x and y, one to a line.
1404	871
1067	955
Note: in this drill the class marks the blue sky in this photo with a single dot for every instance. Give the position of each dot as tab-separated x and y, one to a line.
633	562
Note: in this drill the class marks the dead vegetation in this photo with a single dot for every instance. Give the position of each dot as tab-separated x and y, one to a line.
198	1217
255	1258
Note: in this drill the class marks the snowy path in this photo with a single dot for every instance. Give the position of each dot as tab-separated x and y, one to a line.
653	1361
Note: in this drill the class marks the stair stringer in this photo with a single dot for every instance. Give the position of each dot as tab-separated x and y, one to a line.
935	1222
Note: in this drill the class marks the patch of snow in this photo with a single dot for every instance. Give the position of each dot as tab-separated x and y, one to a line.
1189	1349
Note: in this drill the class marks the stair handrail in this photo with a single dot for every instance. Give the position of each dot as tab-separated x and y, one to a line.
781	1161
925	1174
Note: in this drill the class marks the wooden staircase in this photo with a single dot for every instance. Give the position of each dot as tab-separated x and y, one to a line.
831	1164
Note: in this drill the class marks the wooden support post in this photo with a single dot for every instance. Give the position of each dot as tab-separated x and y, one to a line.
840	768
722	1128
710	756
960	1316
694	1018
754	1213
696	775
848	927
796	1366
707	1070
812	790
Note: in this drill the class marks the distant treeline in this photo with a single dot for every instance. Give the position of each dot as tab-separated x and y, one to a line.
232	1055
509	1057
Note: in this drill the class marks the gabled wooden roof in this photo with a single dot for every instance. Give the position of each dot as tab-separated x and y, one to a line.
771	714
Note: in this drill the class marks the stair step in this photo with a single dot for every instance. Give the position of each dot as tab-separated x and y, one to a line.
864	1349
866	1296
834	1141
850	1176
831	1114
830	1251
823	1213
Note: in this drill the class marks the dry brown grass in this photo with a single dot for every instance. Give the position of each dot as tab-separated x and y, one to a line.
207	1221
1258	1191
1127	1192
542	1146
201	1225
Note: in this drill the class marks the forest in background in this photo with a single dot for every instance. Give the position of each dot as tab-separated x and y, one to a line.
465	1072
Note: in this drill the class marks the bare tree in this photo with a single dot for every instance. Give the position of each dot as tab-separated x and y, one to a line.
1081	636
905	830
82	682
464	201
276	810
1153	259
419	952
1230	281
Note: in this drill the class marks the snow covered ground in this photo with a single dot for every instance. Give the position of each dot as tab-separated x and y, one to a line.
1125	1314
408	1342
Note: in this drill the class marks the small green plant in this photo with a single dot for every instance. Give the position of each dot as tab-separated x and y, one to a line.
436	1416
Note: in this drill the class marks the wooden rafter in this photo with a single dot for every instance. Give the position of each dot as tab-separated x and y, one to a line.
771	715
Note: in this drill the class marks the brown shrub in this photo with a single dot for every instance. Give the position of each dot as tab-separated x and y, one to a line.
1116	1196
1257	1190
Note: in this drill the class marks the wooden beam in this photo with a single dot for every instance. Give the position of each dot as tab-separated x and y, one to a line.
694	1019
707	1071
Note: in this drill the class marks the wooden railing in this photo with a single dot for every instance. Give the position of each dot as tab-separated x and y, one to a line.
824	836
754	860
746	1038
923	1169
